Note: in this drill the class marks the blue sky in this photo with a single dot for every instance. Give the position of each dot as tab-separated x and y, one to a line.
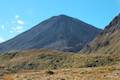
17	16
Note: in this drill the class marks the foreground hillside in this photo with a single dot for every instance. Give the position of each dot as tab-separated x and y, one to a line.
99	73
54	65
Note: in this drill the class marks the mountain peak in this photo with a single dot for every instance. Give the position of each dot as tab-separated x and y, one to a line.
60	32
62	17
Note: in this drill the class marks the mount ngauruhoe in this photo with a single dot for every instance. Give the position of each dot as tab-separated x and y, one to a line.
61	32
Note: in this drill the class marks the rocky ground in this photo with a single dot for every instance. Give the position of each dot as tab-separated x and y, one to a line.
98	73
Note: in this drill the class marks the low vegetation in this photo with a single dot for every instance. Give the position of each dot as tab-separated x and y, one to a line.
52	63
96	73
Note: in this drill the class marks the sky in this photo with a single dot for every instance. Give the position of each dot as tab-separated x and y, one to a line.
17	16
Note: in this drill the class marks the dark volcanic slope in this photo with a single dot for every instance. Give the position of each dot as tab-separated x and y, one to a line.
58	33
108	42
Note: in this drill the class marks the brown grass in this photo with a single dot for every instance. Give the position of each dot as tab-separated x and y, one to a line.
98	73
40	66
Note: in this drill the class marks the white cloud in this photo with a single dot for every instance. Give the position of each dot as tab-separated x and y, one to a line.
17	25
17	16
1	40
20	22
2	27
11	31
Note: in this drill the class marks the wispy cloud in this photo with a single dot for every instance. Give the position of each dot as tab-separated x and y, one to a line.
17	25
20	22
2	27
17	16
11	28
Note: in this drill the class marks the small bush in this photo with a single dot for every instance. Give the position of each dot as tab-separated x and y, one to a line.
50	72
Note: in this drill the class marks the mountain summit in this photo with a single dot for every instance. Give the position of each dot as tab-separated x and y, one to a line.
61	32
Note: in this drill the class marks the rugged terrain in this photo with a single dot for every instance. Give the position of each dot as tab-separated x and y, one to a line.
108	42
54	65
99	73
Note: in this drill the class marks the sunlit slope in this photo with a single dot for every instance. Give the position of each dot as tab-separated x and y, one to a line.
108	42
